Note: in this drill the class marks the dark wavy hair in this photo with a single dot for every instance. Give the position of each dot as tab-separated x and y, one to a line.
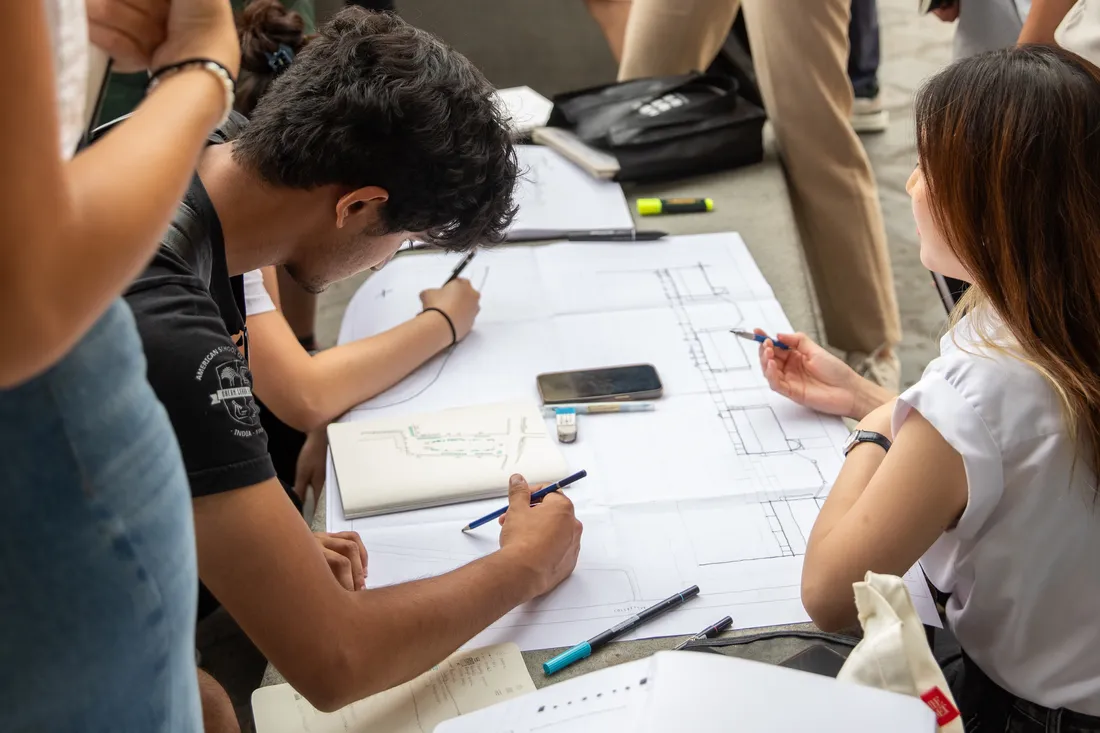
372	100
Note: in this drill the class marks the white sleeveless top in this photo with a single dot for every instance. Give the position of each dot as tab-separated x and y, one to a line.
68	23
1021	565
1080	30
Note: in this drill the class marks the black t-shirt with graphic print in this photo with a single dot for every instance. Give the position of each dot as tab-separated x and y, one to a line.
187	307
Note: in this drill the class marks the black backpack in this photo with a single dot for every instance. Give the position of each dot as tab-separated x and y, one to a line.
666	127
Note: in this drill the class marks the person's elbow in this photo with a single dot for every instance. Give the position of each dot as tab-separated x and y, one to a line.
308	414
303	408
829	601
335	682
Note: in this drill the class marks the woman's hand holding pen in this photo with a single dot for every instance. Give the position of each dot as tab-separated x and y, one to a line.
809	375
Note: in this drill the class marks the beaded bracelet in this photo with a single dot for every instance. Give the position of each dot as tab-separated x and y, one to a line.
215	68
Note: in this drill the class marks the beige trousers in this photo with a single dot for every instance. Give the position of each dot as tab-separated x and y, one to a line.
800	51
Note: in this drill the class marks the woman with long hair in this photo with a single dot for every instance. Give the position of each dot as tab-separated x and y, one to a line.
985	470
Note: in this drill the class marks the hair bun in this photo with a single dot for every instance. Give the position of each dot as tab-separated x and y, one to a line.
264	27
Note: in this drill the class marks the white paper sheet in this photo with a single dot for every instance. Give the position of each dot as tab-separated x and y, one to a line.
703	693
717	487
397	463
465	682
606	700
556	196
524	108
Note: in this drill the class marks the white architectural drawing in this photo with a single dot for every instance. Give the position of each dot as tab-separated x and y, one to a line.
718	487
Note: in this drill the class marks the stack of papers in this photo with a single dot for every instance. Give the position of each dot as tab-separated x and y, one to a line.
556	198
693	691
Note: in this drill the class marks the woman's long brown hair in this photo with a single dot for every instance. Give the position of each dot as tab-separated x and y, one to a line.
1009	146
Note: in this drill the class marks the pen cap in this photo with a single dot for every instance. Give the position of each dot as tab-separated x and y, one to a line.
563	660
649	207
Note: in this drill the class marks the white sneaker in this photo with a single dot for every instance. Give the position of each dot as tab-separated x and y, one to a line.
883	370
869	116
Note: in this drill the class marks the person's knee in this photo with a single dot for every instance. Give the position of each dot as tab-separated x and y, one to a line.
218	715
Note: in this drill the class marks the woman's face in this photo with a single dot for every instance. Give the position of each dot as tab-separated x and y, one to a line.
934	252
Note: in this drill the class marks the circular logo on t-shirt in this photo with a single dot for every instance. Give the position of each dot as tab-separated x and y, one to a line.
235	392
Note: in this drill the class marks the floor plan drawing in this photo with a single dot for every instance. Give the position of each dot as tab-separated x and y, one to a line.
719	486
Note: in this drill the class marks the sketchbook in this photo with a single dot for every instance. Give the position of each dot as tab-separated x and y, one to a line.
465	682
704	693
556	198
396	464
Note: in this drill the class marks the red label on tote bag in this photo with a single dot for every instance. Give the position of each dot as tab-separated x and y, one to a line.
941	705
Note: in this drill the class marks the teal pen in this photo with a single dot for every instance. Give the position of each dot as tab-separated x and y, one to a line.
585	648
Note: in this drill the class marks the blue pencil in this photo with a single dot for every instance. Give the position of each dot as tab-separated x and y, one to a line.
534	497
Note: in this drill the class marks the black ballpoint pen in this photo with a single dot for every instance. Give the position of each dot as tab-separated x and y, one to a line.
461	266
612	235
708	633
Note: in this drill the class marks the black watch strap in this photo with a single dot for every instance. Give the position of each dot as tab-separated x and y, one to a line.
866	436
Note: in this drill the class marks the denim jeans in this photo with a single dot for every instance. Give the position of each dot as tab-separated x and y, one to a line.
98	578
986	706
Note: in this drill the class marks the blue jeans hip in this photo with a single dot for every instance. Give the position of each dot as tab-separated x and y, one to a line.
97	547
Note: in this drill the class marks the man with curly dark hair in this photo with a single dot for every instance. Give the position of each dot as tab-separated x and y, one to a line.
375	134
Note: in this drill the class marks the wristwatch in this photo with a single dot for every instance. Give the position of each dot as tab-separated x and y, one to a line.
865	436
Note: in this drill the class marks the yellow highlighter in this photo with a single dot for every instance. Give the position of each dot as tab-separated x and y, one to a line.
652	207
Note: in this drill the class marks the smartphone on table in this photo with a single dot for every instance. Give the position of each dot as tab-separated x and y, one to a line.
607	384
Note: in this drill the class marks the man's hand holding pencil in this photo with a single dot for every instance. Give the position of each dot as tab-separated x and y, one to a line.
544	538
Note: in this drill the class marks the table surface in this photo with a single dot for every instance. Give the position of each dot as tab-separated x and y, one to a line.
754	202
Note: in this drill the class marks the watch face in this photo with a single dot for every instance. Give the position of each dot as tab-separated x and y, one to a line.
852	437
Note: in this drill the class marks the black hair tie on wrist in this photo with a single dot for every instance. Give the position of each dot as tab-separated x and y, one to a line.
454	333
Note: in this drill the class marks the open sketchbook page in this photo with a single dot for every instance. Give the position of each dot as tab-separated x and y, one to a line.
465	682
718	486
390	464
598	702
702	693
556	196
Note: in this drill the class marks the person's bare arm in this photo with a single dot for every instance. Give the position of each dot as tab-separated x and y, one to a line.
1043	19
884	511
336	646
307	392
76	233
